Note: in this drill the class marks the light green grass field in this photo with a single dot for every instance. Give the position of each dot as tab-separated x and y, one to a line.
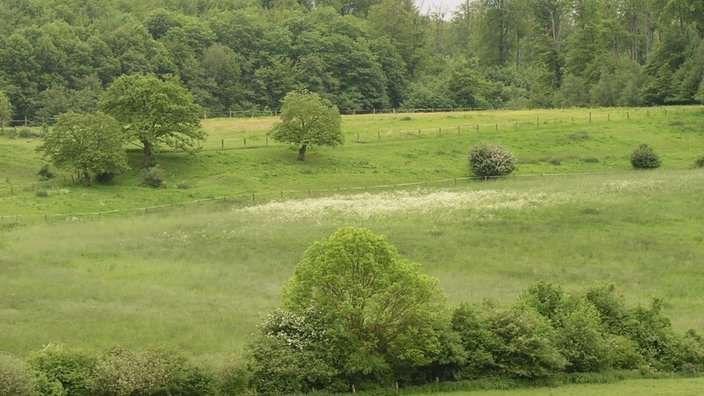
649	387
200	277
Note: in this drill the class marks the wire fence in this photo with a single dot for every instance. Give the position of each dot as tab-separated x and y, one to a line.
586	117
249	199
262	140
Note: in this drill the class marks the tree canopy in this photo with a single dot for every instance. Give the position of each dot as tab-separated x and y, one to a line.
360	55
154	112
380	314
308	120
353	313
88	143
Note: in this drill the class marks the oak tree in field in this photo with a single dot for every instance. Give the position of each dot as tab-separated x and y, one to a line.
154	112
88	143
308	120
359	311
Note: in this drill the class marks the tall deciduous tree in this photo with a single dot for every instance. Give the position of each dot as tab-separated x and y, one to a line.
88	143
380	313
154	112
308	120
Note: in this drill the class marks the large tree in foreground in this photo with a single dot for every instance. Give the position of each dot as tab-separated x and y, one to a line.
308	120
88	143
354	312
154	112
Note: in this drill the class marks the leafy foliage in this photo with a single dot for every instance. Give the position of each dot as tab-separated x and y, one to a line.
5	110
291	355
89	143
491	160
356	311
154	112
45	173
644	157
153	177
579	333
360	55
126	372
16	377
308	120
71	369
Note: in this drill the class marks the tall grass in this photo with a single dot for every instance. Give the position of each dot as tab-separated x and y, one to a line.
660	387
201	278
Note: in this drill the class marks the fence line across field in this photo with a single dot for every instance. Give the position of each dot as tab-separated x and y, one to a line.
253	140
254	113
250	198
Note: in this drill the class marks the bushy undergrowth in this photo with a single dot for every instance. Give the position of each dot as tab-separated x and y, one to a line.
699	163
153	177
546	333
16	377
547	336
644	157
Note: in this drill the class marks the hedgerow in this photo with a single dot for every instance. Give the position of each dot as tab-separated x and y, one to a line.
547	336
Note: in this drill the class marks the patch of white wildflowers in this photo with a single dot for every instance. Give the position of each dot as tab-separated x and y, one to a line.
368	206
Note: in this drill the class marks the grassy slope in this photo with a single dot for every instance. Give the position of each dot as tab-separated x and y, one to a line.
200	277
660	387
380	150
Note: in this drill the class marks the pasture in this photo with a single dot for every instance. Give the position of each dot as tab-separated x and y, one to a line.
380	150
199	277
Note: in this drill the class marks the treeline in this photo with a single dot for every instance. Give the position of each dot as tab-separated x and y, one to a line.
357	316
359	54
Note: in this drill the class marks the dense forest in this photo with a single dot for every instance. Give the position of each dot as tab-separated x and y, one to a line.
362	55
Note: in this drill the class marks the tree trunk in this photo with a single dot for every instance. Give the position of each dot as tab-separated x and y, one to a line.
302	153
86	178
148	154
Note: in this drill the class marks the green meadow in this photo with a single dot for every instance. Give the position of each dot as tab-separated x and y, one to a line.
650	387
239	163
197	266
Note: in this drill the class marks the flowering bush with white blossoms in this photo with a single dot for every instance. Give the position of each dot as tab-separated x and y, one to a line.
491	160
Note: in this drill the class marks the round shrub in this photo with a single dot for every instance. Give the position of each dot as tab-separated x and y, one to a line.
644	157
491	160
45	173
26	133
699	163
67	369
153	177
